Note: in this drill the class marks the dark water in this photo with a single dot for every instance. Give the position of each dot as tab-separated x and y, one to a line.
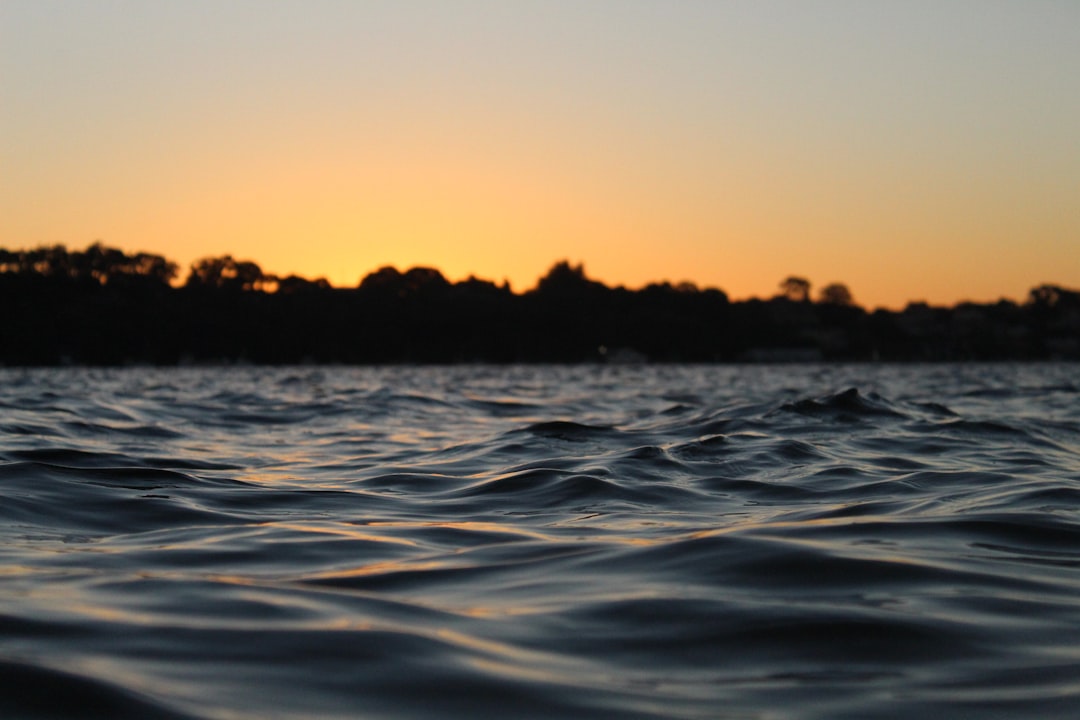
568	542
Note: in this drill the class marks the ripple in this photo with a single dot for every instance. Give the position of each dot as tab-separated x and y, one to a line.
540	541
31	691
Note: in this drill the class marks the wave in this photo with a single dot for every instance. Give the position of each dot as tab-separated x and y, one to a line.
543	541
31	691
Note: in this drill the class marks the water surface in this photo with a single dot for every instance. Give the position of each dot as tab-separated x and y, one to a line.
538	542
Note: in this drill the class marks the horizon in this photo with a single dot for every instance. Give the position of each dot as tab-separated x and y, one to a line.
815	284
813	289
915	152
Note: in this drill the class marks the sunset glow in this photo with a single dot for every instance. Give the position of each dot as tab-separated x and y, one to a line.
914	150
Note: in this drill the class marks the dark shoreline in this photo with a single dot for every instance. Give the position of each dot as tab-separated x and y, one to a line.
102	307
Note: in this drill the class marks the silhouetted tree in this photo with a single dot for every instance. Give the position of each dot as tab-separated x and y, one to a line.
109	265
796	289
1046	296
387	280
97	263
563	277
424	280
104	306
226	273
294	284
836	294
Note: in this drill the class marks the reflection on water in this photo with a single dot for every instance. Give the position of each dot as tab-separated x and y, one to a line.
643	542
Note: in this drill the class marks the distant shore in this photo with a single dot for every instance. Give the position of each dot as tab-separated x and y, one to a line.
102	306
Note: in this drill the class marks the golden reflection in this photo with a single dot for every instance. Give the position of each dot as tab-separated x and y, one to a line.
339	531
108	614
381	568
241	580
528	659
475	643
19	570
350	624
489	613
505	659
473	525
768	524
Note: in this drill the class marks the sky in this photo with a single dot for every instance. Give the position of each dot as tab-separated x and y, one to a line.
913	150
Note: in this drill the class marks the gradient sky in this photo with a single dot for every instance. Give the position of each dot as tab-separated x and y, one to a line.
912	150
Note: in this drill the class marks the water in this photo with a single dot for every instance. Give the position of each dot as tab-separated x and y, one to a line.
541	542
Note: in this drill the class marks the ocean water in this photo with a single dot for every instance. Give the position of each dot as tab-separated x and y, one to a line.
541	542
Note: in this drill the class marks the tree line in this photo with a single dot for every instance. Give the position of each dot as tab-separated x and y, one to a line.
103	306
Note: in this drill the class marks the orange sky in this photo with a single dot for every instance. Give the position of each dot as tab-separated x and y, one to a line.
913	150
